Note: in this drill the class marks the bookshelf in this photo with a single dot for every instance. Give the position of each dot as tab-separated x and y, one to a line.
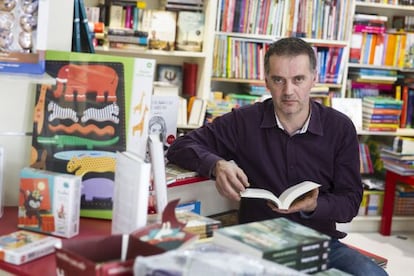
389	11
203	58
249	33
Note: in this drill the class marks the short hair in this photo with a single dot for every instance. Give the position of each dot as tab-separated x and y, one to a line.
290	46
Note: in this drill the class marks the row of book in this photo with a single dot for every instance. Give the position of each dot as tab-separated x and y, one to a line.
312	19
372	43
366	166
132	27
242	58
389	49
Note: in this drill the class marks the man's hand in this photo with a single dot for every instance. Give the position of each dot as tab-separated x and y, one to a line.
306	203
230	179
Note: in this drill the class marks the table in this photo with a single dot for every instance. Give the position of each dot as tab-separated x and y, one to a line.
46	265
391	179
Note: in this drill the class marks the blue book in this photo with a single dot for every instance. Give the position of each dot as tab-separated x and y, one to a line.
76	38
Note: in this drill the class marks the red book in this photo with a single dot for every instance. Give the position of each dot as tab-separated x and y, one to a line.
190	79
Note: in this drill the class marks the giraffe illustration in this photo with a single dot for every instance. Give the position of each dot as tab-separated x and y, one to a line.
138	107
39	110
140	126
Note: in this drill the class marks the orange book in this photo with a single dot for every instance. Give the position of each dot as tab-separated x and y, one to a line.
372	46
390	49
404	98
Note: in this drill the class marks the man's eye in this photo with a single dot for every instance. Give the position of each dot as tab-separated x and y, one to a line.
278	81
299	79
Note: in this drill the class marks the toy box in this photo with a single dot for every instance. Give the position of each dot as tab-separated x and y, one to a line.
23	35
115	254
101	255
49	202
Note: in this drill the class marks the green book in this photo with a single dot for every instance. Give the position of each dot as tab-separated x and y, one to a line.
271	239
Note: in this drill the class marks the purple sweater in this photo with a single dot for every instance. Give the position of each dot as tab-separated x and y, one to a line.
327	153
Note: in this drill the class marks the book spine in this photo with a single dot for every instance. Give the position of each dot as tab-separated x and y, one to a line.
311	249
76	40
128	39
369	29
190	71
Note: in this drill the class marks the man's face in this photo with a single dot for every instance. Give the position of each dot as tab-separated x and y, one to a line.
289	82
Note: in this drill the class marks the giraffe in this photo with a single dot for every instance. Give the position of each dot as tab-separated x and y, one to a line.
140	126
138	107
39	110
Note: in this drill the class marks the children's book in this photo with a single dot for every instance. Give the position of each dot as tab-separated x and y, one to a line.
24	246
99	105
284	201
49	202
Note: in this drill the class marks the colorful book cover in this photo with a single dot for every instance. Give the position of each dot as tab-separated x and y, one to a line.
162	30
163	118
99	105
24	246
170	73
49	202
190	31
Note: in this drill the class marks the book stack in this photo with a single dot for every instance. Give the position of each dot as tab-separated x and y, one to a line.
279	240
183	5
125	38
381	113
198	224
397	162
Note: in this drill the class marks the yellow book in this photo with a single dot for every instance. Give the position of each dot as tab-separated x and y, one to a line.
401	55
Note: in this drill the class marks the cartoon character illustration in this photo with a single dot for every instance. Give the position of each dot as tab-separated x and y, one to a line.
81	166
84	79
31	202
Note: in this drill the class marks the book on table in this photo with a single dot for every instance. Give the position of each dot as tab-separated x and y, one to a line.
280	240
285	199
198	224
22	246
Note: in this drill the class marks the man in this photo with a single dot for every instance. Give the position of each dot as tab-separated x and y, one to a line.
281	142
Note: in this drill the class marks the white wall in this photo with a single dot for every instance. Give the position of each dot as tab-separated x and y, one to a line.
18	97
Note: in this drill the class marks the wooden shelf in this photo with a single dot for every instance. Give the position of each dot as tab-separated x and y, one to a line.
149	53
399	132
30	78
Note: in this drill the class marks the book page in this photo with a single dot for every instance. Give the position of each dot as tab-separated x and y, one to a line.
130	200
286	198
292	193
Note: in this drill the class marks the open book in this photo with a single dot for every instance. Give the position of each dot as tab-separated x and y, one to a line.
286	198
